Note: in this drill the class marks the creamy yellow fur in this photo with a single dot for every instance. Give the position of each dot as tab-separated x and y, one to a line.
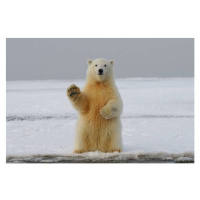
99	107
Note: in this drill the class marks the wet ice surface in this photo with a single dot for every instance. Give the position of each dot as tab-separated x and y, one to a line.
157	119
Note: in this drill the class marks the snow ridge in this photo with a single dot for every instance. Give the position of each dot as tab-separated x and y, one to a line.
99	157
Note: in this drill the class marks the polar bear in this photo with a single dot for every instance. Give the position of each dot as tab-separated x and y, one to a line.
99	107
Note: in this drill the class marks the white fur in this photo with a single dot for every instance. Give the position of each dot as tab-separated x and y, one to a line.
99	106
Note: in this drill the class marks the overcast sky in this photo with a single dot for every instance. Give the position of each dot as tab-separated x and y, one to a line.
37	59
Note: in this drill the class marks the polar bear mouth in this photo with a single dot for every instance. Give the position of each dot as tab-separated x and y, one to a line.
100	74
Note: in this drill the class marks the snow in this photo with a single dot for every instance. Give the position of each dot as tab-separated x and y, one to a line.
157	119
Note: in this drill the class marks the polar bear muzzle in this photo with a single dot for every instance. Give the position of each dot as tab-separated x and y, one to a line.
100	72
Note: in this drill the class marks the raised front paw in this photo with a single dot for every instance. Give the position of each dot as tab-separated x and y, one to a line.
107	112
73	91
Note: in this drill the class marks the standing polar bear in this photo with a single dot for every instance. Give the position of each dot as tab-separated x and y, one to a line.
99	106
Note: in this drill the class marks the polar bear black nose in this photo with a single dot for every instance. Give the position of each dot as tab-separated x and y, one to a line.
100	71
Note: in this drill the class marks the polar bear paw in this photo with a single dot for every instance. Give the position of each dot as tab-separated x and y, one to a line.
107	112
78	151
73	91
115	150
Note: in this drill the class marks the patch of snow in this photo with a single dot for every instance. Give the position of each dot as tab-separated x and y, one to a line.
158	116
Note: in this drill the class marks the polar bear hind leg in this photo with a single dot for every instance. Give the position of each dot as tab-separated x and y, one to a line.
110	142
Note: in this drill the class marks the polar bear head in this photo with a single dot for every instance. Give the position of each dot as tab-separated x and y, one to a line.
100	70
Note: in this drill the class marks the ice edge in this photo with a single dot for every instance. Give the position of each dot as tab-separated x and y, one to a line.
99	157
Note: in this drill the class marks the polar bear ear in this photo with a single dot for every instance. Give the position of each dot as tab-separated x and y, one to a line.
89	62
112	62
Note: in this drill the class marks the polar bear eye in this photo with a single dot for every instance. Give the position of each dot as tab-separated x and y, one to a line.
104	65
95	65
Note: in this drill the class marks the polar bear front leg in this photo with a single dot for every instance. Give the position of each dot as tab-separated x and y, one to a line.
110	110
73	92
77	98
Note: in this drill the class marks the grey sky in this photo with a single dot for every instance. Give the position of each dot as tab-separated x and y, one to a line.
36	59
